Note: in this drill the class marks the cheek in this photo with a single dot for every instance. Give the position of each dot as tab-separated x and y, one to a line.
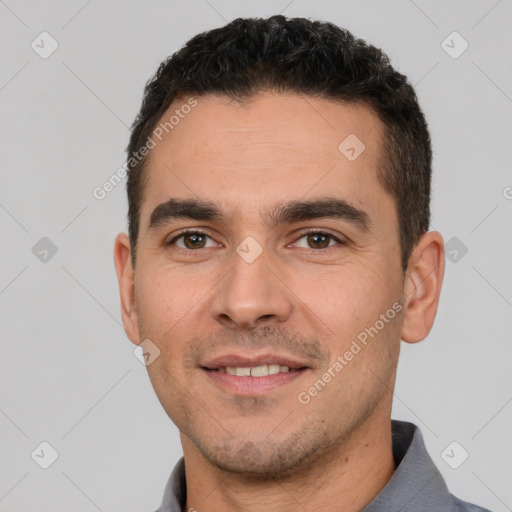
345	299
347	319
165	295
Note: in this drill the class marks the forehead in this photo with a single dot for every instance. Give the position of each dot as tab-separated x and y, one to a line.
296	122
247	156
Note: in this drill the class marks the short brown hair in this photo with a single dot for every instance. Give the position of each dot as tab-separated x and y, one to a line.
297	55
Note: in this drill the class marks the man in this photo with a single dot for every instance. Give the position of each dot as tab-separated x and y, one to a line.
278	251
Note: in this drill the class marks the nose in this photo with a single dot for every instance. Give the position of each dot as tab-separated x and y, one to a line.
251	295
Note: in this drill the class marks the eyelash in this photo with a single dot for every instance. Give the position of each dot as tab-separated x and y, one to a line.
304	233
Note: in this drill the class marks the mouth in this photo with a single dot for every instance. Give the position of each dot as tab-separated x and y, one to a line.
246	376
256	371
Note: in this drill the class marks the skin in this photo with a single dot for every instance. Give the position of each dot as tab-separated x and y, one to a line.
246	453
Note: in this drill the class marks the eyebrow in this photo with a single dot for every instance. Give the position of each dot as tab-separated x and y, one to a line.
335	208
293	211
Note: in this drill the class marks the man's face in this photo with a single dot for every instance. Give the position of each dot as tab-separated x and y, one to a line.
263	283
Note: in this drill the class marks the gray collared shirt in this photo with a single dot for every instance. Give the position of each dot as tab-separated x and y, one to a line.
416	486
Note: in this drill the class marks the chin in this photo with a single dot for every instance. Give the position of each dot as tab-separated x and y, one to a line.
265	460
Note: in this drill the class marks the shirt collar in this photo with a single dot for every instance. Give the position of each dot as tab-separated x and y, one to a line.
416	484
175	494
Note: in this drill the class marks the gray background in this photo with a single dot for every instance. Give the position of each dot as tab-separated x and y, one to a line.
68	374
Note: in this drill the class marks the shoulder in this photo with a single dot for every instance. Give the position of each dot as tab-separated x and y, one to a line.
464	506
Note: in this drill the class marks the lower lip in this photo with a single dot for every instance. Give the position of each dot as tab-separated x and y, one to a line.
252	386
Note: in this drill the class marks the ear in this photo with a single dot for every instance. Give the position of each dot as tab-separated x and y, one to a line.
423	282
125	277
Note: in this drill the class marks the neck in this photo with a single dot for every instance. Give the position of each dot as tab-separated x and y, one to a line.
348	479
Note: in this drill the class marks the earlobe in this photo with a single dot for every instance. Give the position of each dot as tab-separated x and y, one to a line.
423	287
125	277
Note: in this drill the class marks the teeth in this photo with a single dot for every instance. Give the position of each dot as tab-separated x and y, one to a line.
273	369
259	371
255	371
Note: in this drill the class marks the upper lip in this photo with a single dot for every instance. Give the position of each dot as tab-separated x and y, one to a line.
246	361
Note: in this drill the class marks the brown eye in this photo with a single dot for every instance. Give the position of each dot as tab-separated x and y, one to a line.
191	240
319	240
194	241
